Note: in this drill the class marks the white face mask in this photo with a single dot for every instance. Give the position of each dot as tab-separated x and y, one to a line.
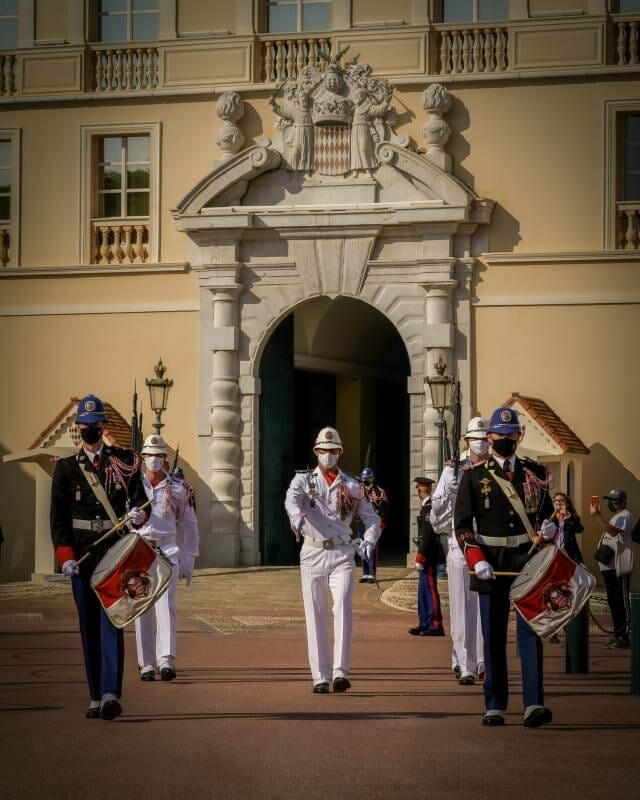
479	446
327	460
154	463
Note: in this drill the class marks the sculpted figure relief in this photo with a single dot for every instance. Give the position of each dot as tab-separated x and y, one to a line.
364	135
299	140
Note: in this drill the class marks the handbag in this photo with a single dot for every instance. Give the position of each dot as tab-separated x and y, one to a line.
604	552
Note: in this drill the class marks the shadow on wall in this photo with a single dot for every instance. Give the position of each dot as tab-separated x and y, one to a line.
17	517
603	472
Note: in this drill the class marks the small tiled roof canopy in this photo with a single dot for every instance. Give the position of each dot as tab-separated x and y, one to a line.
550	422
117	429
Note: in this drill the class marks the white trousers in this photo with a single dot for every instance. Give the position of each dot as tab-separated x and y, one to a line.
156	628
321	571
464	610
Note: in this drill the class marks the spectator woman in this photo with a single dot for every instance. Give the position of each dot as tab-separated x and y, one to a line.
568	524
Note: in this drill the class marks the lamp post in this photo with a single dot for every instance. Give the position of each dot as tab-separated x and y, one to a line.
159	393
441	387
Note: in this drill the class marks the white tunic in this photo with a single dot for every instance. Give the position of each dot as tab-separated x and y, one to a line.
172	519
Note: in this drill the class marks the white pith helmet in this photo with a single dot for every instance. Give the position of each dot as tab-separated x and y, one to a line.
328	439
154	445
477	428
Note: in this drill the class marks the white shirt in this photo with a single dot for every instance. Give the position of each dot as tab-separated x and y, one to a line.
92	456
509	463
323	517
172	516
622	544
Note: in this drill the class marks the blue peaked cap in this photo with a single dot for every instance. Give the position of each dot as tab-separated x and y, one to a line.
504	420
90	409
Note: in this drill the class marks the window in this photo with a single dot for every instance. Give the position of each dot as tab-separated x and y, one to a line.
629	180
622	175
120	168
473	10
288	16
8	24
628	6
9	196
123	176
127	20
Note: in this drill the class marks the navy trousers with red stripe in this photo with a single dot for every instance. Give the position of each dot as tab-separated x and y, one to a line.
429	608
102	642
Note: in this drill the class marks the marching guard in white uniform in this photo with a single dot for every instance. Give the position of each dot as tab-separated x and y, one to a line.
320	504
466	630
173	528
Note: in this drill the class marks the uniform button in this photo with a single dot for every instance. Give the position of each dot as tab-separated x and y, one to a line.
511	525
512	512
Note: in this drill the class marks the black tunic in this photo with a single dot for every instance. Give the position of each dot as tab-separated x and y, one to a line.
480	499
72	498
428	541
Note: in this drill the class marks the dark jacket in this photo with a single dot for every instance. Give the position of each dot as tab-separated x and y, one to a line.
428	541
572	526
72	498
480	499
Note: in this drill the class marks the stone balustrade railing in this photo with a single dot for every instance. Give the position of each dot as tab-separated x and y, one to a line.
626	35
628	225
5	246
283	58
469	50
8	65
120	241
125	69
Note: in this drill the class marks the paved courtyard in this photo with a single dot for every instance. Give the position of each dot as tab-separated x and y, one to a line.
241	722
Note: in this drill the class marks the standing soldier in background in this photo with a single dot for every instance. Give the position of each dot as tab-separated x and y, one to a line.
90	491
377	496
464	614
321	504
494	525
173	529
429	555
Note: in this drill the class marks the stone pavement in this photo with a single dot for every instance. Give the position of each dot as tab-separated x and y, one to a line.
241	722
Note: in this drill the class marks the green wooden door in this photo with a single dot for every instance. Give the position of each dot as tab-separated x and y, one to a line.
276	467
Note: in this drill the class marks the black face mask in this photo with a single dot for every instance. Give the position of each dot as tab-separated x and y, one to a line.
505	448
91	435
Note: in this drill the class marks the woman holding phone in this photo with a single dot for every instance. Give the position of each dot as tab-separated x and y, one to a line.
568	525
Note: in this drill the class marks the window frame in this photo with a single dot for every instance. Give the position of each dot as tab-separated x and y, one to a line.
89	152
14	136
299	5
129	13
15	16
124	190
615	110
474	18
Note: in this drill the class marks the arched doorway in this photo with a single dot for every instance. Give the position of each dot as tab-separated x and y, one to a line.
333	362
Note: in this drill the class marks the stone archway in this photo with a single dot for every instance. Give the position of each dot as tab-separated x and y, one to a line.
263	238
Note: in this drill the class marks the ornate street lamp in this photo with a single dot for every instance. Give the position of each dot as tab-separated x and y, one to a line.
159	393
441	387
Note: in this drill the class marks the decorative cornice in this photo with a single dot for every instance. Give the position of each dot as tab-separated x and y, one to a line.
85	271
580	257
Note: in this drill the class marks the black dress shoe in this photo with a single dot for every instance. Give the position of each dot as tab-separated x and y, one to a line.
538	717
432	632
619	643
467	680
110	709
321	688
150	675
167	674
417	631
341	685
457	673
364	579
371	579
493	720
93	713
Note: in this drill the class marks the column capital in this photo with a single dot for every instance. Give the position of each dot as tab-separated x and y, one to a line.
439	288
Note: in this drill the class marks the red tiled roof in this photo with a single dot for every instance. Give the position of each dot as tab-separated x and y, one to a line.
550	422
117	429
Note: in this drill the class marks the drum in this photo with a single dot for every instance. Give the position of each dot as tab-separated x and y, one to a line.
551	590
129	578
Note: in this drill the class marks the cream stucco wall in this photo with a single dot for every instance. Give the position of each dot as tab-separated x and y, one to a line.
380	11
196	17
51	18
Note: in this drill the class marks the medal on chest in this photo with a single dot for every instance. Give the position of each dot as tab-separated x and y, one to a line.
312	489
78	494
485	491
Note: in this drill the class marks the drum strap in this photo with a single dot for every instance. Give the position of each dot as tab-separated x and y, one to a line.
101	496
513	497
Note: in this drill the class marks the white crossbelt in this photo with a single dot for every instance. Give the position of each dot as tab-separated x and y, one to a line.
328	544
503	541
161	542
95	525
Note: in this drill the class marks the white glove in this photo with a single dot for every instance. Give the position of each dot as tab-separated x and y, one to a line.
367	550
419	567
186	569
452	485
548	530
70	568
484	570
137	516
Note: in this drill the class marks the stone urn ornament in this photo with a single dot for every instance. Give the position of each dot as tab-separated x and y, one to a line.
436	100
230	108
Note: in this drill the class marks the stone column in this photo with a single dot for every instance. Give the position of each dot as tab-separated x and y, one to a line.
225	422
439	343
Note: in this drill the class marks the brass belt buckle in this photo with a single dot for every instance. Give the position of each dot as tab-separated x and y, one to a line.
328	544
96	525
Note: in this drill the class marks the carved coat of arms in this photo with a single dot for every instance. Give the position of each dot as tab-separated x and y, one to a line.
333	117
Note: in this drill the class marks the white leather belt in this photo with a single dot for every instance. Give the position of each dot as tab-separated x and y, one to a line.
94	525
327	544
503	541
168	540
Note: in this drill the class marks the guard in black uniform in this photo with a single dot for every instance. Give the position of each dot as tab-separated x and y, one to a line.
377	496
429	555
78	518
501	543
